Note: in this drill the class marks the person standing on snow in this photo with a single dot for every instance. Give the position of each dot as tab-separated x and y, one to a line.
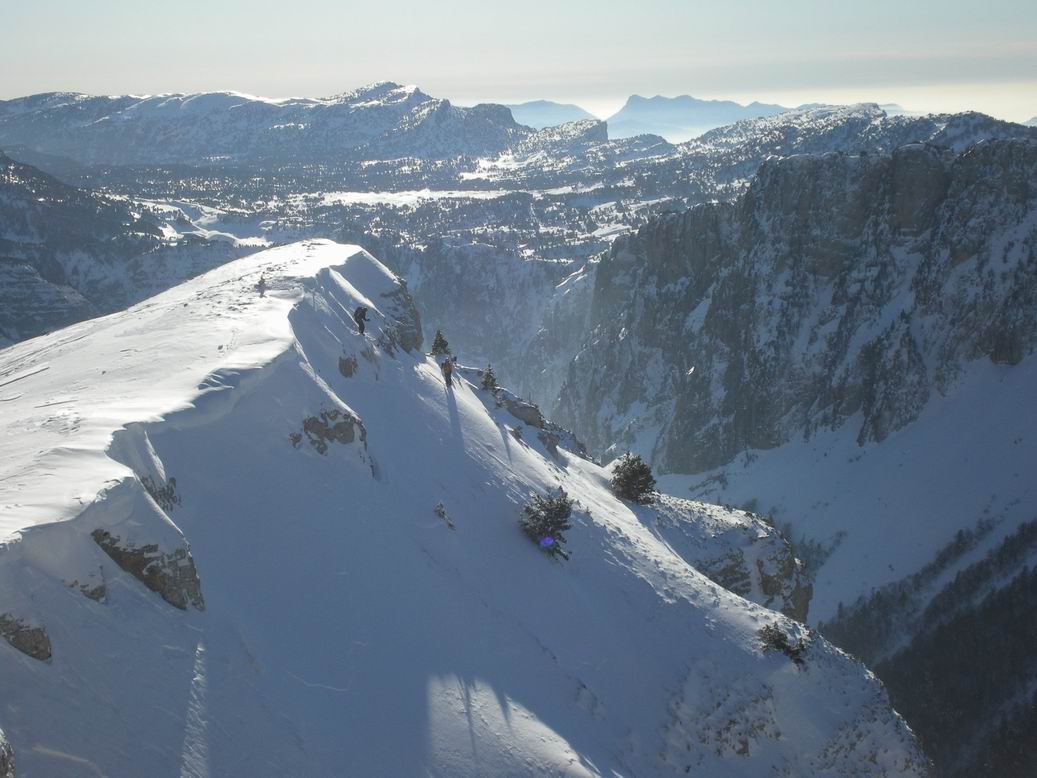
360	317
448	372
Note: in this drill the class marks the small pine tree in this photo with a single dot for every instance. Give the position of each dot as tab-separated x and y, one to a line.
632	479
545	519
439	345
489	379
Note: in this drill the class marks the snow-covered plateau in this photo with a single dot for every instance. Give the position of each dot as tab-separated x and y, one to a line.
240	538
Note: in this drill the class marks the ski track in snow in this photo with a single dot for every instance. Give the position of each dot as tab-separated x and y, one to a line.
196	744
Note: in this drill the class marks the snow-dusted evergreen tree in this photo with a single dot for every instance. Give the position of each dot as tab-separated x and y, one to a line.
439	344
632	479
489	379
545	519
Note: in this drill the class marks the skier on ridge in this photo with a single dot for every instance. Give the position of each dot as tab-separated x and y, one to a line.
360	317
448	372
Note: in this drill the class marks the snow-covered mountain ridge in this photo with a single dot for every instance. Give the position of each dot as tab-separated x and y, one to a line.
240	538
380	121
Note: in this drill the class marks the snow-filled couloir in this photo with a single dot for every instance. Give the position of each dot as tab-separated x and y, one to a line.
240	538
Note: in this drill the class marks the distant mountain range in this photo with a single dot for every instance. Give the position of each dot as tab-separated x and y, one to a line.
681	118
380	121
1032	122
545	113
676	119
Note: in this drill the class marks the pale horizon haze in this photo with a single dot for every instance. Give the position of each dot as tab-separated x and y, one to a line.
927	56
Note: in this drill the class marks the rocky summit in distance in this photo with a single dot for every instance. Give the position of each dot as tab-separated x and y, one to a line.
683	117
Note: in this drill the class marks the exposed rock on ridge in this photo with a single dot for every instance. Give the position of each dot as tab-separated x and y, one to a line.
172	575
30	640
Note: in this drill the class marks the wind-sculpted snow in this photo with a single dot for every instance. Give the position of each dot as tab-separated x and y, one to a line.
73	389
372	608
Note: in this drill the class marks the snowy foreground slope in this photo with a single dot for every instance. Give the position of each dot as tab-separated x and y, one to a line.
326	619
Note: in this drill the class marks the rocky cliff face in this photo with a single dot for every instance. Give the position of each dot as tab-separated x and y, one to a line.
521	295
840	289
30	640
52	238
33	305
172	575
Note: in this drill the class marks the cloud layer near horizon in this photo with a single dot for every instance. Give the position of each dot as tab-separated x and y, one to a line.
945	55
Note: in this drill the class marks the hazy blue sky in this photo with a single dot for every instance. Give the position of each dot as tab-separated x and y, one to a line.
946	55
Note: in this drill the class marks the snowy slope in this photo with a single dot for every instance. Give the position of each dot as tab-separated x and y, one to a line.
964	460
345	624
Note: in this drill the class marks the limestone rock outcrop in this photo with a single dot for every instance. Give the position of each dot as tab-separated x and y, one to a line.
170	574
29	639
